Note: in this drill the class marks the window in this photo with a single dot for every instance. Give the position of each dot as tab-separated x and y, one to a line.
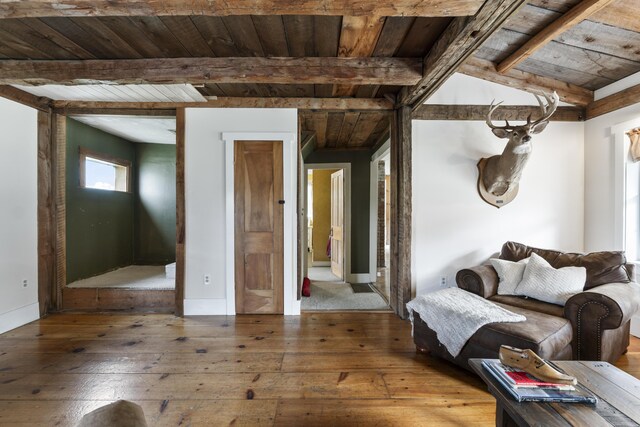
102	172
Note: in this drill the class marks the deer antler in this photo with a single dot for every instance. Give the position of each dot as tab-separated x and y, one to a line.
547	110
490	123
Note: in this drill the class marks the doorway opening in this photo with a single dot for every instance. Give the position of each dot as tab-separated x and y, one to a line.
120	213
329	244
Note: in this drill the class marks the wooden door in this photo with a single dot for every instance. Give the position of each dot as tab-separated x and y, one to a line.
337	223
259	227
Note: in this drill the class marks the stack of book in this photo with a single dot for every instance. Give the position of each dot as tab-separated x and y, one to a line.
527	388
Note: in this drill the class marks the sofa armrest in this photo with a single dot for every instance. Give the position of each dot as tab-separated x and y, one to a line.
481	280
598	309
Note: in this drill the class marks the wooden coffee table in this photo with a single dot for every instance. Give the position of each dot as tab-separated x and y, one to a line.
618	399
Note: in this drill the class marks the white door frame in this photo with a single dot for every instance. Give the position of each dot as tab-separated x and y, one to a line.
373	210
624	170
289	182
348	276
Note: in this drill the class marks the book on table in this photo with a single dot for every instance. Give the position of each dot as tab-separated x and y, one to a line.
527	388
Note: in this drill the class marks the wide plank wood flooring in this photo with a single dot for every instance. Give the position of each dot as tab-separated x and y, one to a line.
328	369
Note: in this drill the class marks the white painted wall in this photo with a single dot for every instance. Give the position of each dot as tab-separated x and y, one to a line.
205	194
18	215
453	227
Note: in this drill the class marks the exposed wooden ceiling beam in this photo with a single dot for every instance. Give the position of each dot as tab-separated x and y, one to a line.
325	104
457	43
38	102
311	70
358	38
573	17
505	112
517	79
614	102
77	8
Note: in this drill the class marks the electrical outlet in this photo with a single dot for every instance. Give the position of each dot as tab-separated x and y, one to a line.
207	279
443	282
25	283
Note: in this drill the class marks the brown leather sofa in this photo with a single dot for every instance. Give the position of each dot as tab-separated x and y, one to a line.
593	325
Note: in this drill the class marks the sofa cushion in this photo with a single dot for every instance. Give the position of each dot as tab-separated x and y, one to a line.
546	335
529	304
510	274
548	284
602	267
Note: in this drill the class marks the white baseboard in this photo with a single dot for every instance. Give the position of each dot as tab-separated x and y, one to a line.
360	278
635	325
18	317
321	264
205	307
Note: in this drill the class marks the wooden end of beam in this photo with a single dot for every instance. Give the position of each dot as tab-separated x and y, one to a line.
40	103
614	102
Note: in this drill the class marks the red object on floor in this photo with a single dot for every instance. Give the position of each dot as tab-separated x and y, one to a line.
306	287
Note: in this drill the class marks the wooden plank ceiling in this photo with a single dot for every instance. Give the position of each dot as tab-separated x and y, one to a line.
594	53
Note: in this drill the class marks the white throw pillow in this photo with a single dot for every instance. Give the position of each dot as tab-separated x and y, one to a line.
545	283
510	274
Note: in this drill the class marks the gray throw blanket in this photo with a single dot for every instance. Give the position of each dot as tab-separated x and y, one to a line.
455	315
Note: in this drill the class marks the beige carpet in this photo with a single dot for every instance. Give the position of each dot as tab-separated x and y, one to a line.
130	277
340	296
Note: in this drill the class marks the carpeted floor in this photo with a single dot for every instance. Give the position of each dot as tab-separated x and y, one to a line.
322	274
340	296
132	276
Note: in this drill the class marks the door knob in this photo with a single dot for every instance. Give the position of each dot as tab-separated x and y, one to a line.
281	202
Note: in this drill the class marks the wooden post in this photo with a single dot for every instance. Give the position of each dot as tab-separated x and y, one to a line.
46	214
59	153
180	212
400	273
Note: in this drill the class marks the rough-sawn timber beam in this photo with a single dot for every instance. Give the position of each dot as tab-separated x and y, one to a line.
517	79
327	104
573	17
38	102
614	102
309	70
78	8
459	41
505	112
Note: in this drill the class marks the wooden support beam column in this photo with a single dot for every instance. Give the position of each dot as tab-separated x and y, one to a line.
59	152
400	274
79	8
308	70
517	79
573	17
180	211
46	214
38	102
457	43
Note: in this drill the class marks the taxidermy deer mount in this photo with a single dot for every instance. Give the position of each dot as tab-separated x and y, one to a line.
500	175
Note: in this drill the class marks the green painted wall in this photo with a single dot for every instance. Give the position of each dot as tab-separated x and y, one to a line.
360	176
99	223
155	204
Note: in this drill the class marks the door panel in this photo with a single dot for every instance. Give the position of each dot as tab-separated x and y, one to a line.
337	224
259	227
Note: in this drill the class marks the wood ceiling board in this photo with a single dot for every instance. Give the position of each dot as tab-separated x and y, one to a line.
348	125
300	35
216	35
57	38
620	13
51	8
334	124
393	33
79	35
326	30
244	35
312	70
34	38
421	36
137	37
117	93
323	91
367	122
156	31
20	48
270	30
105	36
187	34
156	130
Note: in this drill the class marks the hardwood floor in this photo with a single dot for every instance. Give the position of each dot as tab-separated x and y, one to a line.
316	369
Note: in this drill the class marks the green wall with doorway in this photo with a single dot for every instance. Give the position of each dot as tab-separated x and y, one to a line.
155	204
99	223
360	195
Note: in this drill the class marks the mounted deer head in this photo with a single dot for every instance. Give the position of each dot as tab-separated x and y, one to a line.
500	174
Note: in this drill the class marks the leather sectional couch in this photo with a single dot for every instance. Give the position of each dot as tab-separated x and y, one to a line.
593	325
